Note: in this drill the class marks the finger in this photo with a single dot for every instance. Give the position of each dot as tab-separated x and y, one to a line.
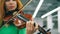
28	26
31	24
32	19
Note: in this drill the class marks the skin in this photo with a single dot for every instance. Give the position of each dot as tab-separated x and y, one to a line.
11	5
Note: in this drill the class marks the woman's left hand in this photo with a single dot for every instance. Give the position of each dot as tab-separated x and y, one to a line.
30	27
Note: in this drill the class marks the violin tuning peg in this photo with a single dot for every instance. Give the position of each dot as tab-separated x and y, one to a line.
44	26
48	30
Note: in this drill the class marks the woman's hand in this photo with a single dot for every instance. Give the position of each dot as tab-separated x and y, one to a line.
17	22
30	27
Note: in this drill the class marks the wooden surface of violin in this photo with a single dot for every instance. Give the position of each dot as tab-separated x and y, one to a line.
29	16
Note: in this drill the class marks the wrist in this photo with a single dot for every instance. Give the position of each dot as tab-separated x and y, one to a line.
29	32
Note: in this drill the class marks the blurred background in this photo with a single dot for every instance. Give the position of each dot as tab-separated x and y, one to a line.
52	20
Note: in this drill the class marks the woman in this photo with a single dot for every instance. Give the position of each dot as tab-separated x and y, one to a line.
9	7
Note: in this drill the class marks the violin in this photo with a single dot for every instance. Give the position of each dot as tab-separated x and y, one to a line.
25	18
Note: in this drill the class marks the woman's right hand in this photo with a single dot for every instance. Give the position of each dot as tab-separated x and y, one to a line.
17	22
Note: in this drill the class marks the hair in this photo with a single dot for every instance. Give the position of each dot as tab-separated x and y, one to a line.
2	10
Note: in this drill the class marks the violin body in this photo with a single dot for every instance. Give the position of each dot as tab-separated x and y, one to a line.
7	18
16	20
